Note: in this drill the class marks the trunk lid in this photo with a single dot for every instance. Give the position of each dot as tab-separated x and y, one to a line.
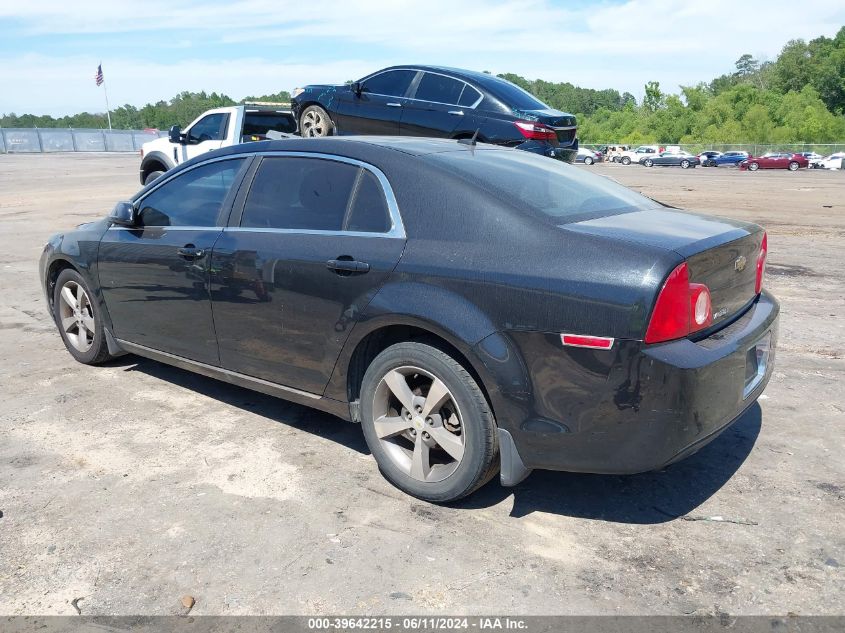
720	253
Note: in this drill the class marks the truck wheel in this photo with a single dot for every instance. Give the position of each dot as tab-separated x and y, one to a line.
315	122
152	176
626	160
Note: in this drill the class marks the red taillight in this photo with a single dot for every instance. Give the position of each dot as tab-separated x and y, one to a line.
535	131
681	308
761	264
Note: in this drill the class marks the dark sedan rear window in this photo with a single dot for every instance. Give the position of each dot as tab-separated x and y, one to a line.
513	96
560	192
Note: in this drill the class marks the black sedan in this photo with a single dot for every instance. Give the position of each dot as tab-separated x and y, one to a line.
437	102
674	159
476	309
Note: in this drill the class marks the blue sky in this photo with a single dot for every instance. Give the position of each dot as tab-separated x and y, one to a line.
154	49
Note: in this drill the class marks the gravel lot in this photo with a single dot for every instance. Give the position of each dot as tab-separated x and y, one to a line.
131	485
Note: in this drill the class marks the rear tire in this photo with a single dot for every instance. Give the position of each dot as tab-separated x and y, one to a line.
753	166
648	162
626	160
685	164
153	175
438	441
315	122
793	166
588	161
78	317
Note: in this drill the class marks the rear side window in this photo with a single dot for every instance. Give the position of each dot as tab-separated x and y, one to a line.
469	96
194	198
439	89
368	211
315	195
393	83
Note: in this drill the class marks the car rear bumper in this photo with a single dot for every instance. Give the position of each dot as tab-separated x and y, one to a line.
563	152
637	408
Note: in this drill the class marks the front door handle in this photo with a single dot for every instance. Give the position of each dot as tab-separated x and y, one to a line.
345	265
189	251
393	105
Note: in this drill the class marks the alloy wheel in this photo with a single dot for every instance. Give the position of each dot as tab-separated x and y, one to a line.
314	124
419	424
76	316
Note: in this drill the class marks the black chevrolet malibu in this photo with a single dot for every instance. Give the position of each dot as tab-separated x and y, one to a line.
477	309
437	102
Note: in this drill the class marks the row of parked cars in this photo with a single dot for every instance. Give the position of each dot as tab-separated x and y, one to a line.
655	155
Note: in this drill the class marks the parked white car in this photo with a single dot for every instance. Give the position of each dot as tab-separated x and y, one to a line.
634	155
212	130
834	161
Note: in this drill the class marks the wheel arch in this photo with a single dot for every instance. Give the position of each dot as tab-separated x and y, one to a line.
54	269
154	161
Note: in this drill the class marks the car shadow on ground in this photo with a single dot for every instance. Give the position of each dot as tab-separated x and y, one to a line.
648	498
289	413
654	497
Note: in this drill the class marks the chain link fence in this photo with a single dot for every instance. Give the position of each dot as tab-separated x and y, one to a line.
43	140
755	149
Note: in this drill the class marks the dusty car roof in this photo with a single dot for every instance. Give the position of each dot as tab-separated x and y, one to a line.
416	146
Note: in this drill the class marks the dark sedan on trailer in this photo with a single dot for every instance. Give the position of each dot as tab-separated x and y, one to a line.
437	102
671	159
476	309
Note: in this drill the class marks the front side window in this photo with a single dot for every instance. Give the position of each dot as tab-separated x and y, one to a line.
393	83
439	89
194	198
209	128
315	195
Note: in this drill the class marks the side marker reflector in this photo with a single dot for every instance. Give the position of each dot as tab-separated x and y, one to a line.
594	342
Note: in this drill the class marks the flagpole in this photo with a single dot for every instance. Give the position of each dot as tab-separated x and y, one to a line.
106	93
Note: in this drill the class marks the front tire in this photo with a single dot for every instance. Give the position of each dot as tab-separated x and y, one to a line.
427	423
753	166
793	166
79	319
648	162
153	175
315	122
626	160
685	164
588	161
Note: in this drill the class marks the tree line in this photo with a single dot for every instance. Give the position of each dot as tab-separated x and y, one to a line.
798	97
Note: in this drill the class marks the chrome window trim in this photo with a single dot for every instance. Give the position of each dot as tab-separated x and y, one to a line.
164	179
397	227
418	70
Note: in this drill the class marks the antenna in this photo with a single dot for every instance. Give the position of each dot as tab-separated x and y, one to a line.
470	141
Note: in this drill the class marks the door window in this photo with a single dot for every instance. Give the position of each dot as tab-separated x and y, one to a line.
439	89
393	83
315	195
209	128
194	198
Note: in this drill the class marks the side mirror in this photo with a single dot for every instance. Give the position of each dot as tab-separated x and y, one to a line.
175	134
357	88
123	214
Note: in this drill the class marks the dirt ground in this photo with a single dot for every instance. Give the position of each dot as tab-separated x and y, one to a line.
125	487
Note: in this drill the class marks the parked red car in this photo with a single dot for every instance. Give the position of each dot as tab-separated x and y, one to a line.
775	160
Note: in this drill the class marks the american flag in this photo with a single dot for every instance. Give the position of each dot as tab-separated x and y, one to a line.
99	76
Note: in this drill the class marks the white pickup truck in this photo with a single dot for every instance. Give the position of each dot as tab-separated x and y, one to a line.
214	129
634	155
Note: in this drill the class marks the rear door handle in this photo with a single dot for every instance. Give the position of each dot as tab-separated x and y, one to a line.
347	266
189	251
456	112
393	105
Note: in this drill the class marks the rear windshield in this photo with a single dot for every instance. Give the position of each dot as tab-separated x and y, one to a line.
556	191
513	96
259	123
